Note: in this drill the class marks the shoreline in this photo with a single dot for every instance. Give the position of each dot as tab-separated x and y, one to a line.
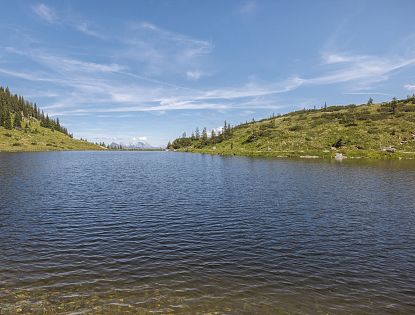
353	155
76	150
304	155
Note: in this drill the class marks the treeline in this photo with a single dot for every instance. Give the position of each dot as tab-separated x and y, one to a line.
14	109
200	139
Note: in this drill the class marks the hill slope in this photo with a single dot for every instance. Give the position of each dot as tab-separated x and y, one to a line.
384	130
24	127
37	138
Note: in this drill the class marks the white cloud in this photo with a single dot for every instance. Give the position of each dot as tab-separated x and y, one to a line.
65	64
247	113
193	45
367	93
332	58
88	82
248	7
159	51
410	87
27	75
194	75
362	69
85	86
44	12
86	29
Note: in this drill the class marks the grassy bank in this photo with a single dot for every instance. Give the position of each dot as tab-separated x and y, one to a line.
37	138
380	131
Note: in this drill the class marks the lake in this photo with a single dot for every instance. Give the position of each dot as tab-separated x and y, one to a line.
164	232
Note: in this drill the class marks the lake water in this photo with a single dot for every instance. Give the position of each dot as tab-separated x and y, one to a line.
162	232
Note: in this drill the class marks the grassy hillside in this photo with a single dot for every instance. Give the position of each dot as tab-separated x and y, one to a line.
25	127
37	138
384	130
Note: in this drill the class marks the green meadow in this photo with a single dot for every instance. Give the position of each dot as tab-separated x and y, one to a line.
383	131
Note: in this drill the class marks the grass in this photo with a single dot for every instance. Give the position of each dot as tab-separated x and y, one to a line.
37	138
365	131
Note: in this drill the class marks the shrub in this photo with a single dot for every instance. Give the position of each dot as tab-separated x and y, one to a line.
265	133
408	108
339	143
352	124
295	128
251	138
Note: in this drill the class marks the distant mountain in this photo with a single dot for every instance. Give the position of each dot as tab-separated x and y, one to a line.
139	145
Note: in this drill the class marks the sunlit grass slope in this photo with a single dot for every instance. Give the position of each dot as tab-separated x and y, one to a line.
33	137
384	130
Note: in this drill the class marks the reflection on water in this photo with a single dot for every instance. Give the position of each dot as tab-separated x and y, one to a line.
118	232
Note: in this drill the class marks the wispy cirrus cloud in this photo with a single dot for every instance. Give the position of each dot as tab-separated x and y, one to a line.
127	78
192	46
194	74
105	86
363	69
48	14
85	28
248	7
367	93
44	12
410	87
157	50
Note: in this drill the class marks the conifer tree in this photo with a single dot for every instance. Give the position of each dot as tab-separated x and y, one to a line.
370	101
394	105
7	120
18	120
204	134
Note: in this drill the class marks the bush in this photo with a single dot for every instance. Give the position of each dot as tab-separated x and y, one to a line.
338	144
267	125
251	138
295	128
408	108
352	124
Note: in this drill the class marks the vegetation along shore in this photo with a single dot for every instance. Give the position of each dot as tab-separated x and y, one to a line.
381	131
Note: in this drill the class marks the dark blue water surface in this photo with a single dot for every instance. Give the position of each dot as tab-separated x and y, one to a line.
163	232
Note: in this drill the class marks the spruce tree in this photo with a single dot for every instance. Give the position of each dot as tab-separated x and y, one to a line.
18	120
204	134
394	105
370	101
8	120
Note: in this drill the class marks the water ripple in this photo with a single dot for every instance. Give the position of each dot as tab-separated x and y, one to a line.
130	232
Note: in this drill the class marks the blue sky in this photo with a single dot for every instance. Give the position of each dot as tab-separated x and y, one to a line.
127	70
